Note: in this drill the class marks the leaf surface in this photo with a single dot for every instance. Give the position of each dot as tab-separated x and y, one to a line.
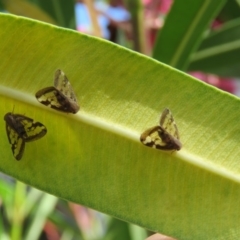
95	157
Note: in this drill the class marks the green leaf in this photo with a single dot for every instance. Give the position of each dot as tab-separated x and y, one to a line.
118	230
44	208
183	30
62	11
63	218
95	157
230	11
135	7
219	52
27	9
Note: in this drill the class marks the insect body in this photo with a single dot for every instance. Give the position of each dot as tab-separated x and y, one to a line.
60	96
165	136
21	129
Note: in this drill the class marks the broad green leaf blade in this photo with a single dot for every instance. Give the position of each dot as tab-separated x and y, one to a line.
183	30
219	52
95	157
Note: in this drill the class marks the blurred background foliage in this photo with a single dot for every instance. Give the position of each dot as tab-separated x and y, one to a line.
199	37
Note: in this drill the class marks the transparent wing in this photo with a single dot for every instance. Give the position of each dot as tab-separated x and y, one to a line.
63	85
60	97
167	122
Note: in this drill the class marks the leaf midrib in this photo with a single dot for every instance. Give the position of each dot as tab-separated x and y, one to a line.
123	132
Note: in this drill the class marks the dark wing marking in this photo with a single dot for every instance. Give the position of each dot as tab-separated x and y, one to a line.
34	130
157	137
49	97
60	97
171	143
16	141
151	138
21	129
165	136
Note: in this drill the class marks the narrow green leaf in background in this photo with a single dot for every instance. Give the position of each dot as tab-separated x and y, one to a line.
63	218
219	52
118	230
58	12
44	208
230	11
26	9
183	30
95	157
137	18
18	214
62	11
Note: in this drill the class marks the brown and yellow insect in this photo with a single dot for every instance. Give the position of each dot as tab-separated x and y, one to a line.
165	136
61	96
21	129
